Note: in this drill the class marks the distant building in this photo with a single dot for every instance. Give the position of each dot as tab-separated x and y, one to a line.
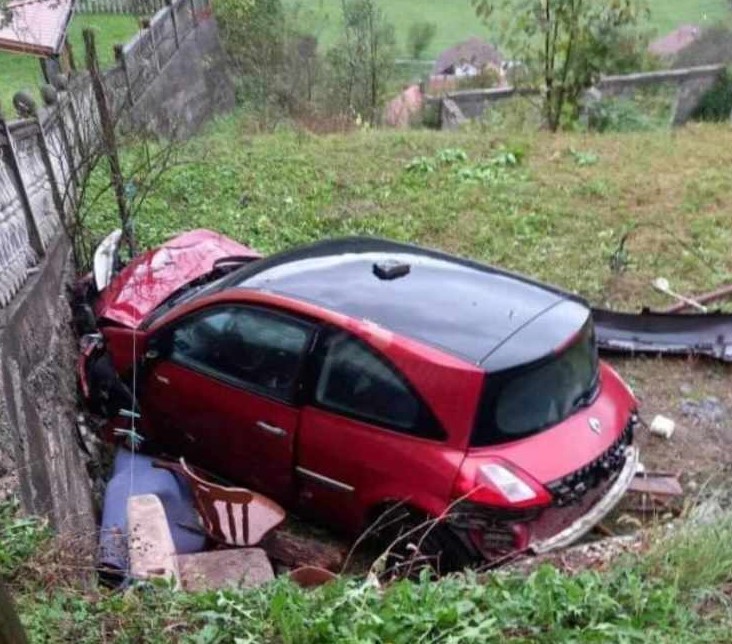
673	43
469	58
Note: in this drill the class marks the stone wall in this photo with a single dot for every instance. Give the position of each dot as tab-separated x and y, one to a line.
692	84
168	80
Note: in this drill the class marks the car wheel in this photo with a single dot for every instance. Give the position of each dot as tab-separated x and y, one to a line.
419	542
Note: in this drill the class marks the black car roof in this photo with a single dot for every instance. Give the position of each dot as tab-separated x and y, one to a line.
463	307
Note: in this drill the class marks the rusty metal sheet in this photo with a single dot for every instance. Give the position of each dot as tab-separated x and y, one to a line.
705	334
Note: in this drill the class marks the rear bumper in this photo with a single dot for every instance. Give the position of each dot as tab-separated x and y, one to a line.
597	512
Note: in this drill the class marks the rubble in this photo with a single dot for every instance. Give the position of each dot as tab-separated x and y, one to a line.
230	568
294	551
151	548
594	555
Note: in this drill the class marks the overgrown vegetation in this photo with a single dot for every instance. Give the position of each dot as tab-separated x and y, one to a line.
565	45
673	592
281	72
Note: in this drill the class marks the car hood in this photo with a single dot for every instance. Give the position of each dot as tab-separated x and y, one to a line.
153	276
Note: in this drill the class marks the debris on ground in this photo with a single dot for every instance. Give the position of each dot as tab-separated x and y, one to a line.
221	569
151	549
662	426
311	576
657	485
230	515
133	474
296	550
705	298
709	410
596	555
704	334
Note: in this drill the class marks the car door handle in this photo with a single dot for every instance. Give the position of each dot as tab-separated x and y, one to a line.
271	429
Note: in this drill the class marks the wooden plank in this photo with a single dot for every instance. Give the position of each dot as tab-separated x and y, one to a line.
656	485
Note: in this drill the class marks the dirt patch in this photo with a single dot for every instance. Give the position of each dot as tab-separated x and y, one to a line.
701	446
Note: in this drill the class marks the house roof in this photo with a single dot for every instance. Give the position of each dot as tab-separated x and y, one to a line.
672	43
36	27
467	309
475	51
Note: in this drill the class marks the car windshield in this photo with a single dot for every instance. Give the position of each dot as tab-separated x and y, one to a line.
529	399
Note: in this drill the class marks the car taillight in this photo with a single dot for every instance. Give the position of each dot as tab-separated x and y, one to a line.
498	484
508	484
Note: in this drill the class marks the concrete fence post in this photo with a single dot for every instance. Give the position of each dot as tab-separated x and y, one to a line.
119	56
34	233
146	24
174	21
58	200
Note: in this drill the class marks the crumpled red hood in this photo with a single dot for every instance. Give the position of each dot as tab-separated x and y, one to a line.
152	276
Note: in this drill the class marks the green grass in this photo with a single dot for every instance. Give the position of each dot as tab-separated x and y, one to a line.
456	21
677	591
24	72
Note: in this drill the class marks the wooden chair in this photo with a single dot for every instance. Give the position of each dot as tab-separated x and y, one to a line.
231	516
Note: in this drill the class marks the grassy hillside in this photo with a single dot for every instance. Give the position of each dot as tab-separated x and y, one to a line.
455	19
24	72
558	215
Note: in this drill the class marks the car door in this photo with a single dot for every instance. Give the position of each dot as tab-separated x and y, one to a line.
221	392
366	437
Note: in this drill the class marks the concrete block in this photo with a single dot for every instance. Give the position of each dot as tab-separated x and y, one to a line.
232	568
152	552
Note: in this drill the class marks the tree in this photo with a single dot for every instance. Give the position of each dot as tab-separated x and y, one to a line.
567	44
419	38
363	62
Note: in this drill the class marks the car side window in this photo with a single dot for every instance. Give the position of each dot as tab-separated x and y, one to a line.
355	381
244	346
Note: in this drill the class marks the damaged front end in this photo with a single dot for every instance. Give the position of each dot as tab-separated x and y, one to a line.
578	502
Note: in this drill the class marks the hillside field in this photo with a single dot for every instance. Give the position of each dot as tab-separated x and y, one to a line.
456	21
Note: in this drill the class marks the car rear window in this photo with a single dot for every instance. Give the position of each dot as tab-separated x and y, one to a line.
529	399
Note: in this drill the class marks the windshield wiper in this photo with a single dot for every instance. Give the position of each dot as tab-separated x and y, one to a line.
587	396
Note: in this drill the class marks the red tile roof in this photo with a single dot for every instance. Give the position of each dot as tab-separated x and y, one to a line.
36	27
674	42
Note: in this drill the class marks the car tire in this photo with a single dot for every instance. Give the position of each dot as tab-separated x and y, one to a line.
419	542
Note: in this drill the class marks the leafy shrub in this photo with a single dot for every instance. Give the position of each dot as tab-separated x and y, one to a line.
716	104
19	537
617	115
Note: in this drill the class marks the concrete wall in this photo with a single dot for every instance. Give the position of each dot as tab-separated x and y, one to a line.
191	88
692	84
168	80
38	398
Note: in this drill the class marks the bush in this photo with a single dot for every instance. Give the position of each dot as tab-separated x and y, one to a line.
419	38
716	104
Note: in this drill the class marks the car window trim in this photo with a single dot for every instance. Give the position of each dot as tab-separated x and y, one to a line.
439	435
292	399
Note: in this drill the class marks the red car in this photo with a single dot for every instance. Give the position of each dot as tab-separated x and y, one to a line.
351	375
